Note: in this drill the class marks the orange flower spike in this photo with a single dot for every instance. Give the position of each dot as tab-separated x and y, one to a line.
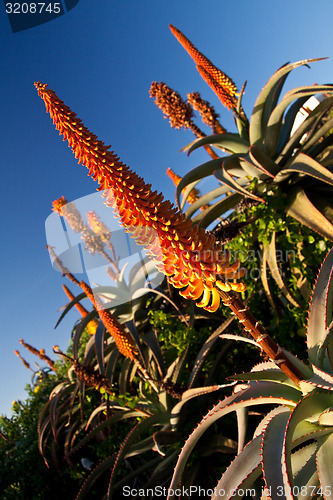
82	310
227	100
58	204
181	249
122	338
200	60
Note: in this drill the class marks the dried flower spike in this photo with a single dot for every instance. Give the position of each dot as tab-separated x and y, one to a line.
179	112
172	105
188	255
206	111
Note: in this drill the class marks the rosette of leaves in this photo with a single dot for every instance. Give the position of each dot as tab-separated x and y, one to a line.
128	426
277	169
290	452
298	165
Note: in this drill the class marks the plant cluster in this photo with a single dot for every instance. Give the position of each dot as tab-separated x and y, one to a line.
140	375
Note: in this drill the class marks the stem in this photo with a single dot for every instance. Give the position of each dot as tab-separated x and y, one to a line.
260	335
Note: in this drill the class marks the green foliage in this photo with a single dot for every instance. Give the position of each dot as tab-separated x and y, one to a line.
23	472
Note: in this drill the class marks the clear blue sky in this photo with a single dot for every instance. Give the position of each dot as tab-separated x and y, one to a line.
101	58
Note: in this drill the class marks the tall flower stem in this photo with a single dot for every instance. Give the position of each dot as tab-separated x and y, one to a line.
190	257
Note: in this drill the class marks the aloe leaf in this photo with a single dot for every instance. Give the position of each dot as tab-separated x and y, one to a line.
315	138
69	307
266	284
241	119
309	409
326	418
273	375
206	349
304	470
309	122
232	143
242	472
206	199
151	340
246	164
288	123
272	445
320	379
263	104
78	331
187	191
270	250
324	463
197	174
301	208
262	161
304	164
320	313
272	135
239	338
144	425
190	394
209	215
254	394
223	176
94	475
99	347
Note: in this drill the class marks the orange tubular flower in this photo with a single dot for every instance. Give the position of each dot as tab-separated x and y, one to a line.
190	257
122	338
222	80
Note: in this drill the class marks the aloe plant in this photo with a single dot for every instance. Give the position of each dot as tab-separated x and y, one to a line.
292	446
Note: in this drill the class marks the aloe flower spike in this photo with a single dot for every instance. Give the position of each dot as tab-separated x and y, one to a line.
190	257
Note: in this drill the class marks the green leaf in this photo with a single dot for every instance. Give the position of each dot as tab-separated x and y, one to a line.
272	446
197	174
304	470
270	251
223	176
206	199
242	472
232	143
320	313
304	128
263	104
272	134
324	463
304	164
301	208
255	394
209	215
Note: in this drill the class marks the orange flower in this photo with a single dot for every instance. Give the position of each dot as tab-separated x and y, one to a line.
189	256
122	337
222	80
58	204
227	100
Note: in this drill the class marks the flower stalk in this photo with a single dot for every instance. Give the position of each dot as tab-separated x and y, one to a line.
190	257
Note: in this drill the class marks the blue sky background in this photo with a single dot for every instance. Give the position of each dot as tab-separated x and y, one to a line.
101	58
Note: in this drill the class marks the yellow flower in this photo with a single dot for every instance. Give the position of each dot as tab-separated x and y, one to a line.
189	256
